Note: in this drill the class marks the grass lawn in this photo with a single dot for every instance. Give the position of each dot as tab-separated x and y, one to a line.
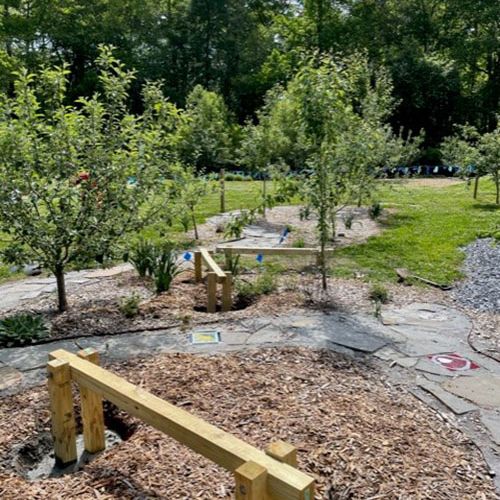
424	233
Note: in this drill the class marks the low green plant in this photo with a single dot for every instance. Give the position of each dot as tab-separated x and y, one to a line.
129	306
375	210
142	257
299	243
22	329
348	219
165	268
379	294
263	285
233	264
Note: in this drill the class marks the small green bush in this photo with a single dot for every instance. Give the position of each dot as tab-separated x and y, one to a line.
165	268
375	210
22	329
348	219
129	306
142	257
299	243
263	285
379	294
233	264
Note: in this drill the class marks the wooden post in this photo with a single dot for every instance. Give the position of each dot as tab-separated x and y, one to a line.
222	191
61	408
92	413
251	482
227	292
283	452
211	292
197	267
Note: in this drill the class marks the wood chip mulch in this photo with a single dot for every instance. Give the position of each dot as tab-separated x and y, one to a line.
361	437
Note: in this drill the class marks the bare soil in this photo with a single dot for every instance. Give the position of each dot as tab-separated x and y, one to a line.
357	434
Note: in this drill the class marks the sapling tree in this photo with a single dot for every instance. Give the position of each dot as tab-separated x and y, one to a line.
190	190
74	179
470	150
333	112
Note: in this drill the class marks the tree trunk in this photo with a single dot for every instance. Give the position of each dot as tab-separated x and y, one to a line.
264	194
195	227
222	191
62	301
476	186
324	283
497	184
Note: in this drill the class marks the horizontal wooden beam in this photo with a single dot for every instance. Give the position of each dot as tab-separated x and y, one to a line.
271	250
211	264
226	450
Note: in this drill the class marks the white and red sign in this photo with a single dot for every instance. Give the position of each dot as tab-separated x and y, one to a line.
453	361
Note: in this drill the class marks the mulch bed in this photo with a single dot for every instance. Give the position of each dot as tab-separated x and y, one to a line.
358	435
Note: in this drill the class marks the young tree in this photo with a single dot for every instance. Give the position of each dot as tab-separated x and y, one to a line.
334	113
75	178
475	153
190	190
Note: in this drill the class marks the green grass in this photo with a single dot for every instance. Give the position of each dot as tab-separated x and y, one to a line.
424	235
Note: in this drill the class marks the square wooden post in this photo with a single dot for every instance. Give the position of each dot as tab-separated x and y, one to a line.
211	292
283	452
61	409
251	482
197	267
92	413
227	292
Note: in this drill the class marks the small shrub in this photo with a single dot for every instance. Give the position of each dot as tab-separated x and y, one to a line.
375	210
263	285
348	219
379	294
165	268
129	306
299	243
142	257
233	264
305	213
21	329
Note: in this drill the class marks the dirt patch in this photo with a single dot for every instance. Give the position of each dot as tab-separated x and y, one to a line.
355	432
433	182
303	231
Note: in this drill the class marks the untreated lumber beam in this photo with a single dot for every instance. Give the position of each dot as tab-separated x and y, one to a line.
271	251
61	408
92	412
211	264
283	481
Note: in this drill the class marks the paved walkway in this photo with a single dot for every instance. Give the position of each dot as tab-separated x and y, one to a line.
416	346
14	293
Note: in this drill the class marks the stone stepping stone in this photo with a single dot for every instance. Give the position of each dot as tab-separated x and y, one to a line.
9	376
454	403
491	421
483	390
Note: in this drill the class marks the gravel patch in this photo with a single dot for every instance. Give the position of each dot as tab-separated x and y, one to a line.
481	288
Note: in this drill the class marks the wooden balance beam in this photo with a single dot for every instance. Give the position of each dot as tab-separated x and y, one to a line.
258	475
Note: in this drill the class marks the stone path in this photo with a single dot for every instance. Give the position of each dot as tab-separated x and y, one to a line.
15	292
401	344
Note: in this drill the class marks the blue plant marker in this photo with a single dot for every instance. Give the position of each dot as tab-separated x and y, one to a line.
187	256
259	258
